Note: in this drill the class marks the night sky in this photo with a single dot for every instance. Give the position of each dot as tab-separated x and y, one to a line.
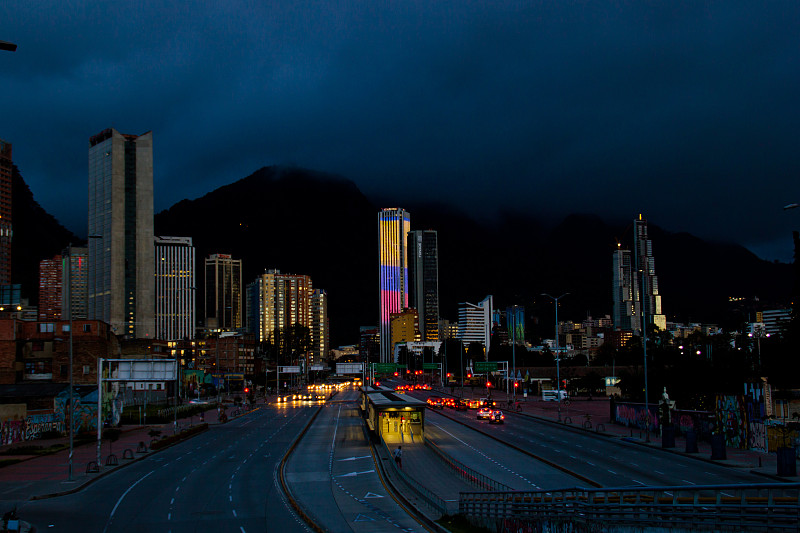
684	111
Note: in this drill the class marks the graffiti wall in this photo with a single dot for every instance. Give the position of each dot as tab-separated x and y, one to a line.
85	419
38	422
732	420
635	415
12	431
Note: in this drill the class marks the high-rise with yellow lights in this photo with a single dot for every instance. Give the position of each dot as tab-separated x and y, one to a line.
394	223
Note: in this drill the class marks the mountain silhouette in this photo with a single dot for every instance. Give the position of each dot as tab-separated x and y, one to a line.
307	222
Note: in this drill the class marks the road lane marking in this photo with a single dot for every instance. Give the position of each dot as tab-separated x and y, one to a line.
657	472
639	482
611	471
234	513
172	501
590	463
114	510
689	482
169	516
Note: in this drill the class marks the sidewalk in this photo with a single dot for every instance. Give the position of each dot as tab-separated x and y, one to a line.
37	477
598	411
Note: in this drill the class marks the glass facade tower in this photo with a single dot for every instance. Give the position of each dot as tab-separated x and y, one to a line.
121	252
423	281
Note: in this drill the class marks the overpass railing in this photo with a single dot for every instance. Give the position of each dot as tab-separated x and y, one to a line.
757	507
464	472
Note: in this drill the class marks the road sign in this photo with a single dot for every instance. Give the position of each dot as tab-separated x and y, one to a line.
430	366
289	369
485	366
385	367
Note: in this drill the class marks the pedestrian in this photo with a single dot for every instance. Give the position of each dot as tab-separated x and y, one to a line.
398	457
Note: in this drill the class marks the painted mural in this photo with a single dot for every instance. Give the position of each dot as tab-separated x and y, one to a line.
12	431
634	415
40	422
732	420
85	412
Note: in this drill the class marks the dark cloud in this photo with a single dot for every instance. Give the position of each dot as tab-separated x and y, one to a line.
684	111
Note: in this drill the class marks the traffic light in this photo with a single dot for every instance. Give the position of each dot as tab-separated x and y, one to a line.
246	390
469	376
564	383
449	375
516	384
396	374
488	384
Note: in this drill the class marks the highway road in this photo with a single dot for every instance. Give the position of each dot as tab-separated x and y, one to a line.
224	480
333	475
608	462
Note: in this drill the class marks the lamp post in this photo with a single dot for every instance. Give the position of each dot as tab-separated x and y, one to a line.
558	355
71	398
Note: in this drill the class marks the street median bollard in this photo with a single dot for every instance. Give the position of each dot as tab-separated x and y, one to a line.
718	451
691	441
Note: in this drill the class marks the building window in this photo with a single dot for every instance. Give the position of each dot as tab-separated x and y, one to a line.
65	328
46	327
87	328
86	369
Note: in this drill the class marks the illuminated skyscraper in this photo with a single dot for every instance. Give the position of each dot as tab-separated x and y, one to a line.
320	333
625	306
651	299
276	301
121	257
423	281
475	322
50	283
395	223
635	284
223	308
175	288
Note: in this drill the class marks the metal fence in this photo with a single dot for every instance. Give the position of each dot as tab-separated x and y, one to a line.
465	472
761	507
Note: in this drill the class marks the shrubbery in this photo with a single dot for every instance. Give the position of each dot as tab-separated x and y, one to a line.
172	439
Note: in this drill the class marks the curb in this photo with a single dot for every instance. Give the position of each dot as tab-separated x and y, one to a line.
107	472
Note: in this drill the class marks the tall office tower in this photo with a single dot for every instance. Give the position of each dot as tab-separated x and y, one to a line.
277	301
626	307
423	281
223	307
650	298
475	322
320	332
175	288
6	166
121	255
395	223
50	280
75	276
515	324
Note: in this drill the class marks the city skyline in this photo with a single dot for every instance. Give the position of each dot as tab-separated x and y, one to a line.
681	111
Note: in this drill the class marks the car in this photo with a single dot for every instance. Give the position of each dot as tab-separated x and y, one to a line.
434	402
484	413
460	405
496	417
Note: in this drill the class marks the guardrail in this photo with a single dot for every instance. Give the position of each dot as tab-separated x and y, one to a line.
465	472
757	507
437	503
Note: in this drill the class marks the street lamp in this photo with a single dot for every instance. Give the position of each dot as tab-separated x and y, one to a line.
558	357
71	398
